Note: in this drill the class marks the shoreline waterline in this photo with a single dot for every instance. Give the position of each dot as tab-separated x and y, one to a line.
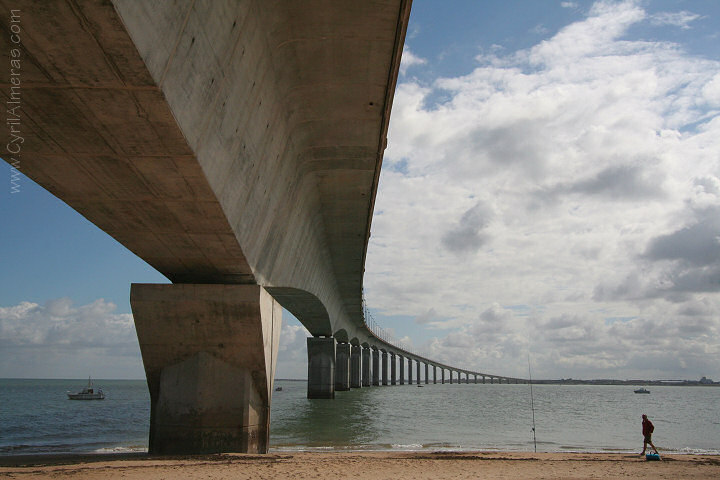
364	465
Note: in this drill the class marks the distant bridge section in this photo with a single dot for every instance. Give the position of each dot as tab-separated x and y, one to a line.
235	146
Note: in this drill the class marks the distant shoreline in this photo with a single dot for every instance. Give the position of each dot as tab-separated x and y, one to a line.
568	381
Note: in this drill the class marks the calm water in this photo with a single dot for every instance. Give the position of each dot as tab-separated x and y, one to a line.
36	417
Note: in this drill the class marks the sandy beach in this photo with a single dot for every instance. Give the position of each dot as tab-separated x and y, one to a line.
364	465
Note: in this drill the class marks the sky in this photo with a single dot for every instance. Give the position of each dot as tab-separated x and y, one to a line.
550	191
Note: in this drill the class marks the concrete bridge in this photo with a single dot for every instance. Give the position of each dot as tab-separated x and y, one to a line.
235	146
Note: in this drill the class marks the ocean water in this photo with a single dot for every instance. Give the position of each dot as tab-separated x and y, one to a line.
36	417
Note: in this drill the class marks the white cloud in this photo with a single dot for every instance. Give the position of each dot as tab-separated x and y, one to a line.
292	351
409	59
677	19
58	339
579	180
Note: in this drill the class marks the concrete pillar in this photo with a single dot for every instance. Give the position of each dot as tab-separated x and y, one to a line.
426	374
442	373
410	371
209	353
475	379
366	377
434	373
451	375
342	367
384	368
393	369
418	372
355	366
321	367
402	369
483	379
375	367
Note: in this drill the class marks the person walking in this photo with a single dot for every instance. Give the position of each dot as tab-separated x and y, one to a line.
647	430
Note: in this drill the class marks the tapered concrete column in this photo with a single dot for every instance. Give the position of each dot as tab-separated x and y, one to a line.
402	369
366	372
342	367
355	366
475	379
393	370
410	362
384	368
451	377
321	367
435	374
418	372
426	373
442	373
209	353
375	367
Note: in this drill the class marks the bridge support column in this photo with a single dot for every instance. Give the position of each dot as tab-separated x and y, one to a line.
402	369
426	373
209	353
321	367
342	367
410	362
393	369
366	367
384	368
475	379
442	374
451	375
355	366
376	367
418	372
434	374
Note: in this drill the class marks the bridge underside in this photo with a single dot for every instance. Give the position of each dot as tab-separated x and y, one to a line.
226	143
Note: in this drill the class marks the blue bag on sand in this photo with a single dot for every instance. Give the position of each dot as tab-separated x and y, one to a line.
652	456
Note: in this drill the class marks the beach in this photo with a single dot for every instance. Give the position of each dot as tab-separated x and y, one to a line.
363	465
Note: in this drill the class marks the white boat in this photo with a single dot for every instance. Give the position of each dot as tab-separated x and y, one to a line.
87	393
642	390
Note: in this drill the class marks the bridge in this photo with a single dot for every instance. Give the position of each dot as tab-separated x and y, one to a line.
235	146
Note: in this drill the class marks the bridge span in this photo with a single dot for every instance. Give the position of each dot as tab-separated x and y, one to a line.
235	146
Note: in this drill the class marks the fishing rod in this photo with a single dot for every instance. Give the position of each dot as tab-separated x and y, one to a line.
532	405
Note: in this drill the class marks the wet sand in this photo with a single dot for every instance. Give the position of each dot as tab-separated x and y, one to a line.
364	465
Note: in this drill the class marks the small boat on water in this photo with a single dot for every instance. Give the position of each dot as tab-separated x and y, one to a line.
642	390
87	393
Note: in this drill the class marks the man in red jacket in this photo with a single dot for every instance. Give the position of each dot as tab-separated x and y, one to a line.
647	428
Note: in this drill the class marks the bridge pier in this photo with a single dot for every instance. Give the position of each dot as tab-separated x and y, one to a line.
366	367
342	367
321	367
384	368
355	366
375	367
427	367
410	380
209	353
434	374
418	372
442	373
393	369
402	369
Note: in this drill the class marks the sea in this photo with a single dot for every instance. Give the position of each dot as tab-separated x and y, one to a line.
37	418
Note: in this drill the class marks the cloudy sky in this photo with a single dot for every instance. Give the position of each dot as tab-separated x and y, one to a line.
551	187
